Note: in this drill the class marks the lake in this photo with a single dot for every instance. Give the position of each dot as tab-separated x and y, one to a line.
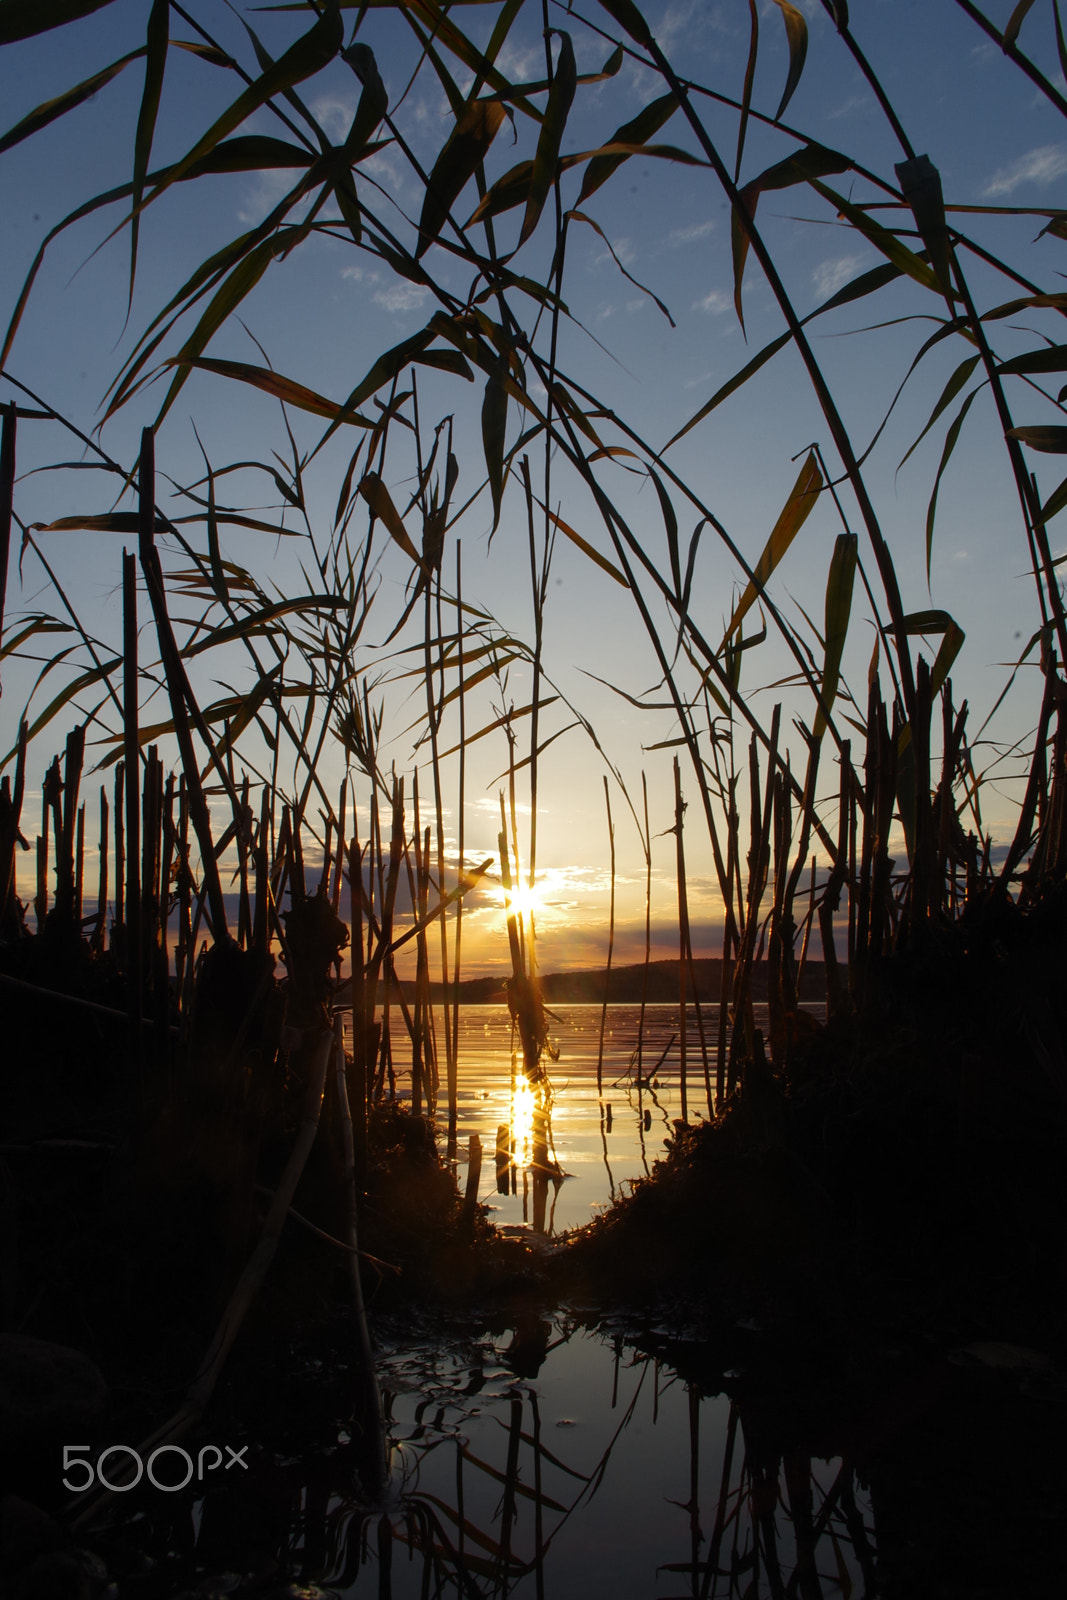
592	1156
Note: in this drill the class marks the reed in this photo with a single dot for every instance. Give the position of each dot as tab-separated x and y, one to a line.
312	688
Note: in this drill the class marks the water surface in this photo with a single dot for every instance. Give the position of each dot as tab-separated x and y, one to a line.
596	1144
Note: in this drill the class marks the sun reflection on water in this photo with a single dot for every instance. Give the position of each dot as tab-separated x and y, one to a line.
523	1106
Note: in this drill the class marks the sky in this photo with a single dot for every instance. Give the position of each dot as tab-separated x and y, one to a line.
326	311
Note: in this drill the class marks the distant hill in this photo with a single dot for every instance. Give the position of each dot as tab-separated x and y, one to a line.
586	987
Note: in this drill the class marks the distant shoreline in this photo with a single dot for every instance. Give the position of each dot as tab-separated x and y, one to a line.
586	986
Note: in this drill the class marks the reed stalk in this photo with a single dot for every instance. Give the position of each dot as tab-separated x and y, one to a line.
607	964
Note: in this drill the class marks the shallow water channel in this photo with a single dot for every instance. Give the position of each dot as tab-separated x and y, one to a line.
545	1460
547	1463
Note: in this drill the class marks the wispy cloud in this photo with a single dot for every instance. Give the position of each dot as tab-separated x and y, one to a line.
334	113
681	236
624	252
714	303
1043	165
855	102
263	194
401	296
829	276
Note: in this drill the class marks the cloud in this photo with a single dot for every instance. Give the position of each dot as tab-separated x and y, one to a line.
1043	165
696	230
334	113
401	296
264	193
522	63
715	303
855	102
829	276
624	252
386	170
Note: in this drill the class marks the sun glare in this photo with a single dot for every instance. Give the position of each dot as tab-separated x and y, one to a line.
524	900
523	1105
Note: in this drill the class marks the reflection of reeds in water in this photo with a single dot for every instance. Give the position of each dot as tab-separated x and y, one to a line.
487	1499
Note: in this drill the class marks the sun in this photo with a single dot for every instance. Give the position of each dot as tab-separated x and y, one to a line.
524	900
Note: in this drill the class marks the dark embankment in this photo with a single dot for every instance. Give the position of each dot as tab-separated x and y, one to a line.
902	1166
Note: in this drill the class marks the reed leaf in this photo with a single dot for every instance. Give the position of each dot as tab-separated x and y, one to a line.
51	110
867	283
1050	439
585	547
948	394
951	440
795	512
746	91
308	55
240	283
1055	502
156	44
84	680
628	17
286	390
509	716
580	216
21	19
920	182
494	433
261	621
380	501
839	587
806	165
105	522
432	15
1053	358
459	160
636	132
1015	22
883	240
373	100
796	32
1061	43
560	97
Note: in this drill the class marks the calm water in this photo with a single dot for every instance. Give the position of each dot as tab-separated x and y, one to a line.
548	1463
593	1152
541	1461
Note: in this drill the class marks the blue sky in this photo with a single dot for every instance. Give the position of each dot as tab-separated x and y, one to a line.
324	313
